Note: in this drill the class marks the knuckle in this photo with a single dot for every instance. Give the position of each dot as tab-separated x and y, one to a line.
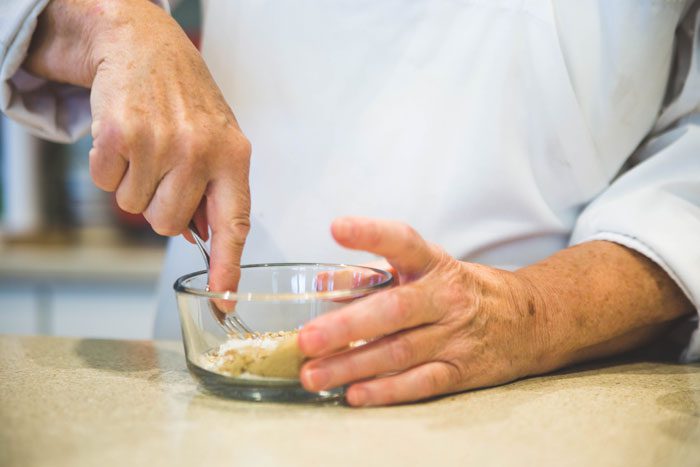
454	297
239	150
128	136
238	229
399	310
244	146
165	227
98	173
408	232
163	140
455	376
95	127
431	383
449	298
401	352
104	184
118	139
128	203
103	128
445	377
108	137
163	223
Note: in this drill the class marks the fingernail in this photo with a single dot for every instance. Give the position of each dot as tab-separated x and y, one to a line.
312	340
319	378
358	396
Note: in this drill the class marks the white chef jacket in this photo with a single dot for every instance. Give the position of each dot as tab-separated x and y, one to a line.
503	130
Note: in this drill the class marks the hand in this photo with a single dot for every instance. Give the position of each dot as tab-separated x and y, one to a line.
448	326
164	138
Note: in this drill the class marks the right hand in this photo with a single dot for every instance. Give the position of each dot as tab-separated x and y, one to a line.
164	137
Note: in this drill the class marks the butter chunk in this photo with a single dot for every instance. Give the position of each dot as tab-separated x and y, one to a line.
274	354
283	362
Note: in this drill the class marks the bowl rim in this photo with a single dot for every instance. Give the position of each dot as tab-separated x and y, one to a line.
180	287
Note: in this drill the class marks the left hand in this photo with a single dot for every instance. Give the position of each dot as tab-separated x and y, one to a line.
448	326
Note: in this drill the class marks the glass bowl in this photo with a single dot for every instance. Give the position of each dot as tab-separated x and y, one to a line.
270	298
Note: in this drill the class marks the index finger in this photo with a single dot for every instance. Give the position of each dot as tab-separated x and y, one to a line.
228	212
375	316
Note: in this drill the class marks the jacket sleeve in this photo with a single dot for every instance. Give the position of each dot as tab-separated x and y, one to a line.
654	207
54	111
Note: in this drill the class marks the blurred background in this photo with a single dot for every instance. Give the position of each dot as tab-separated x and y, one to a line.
71	262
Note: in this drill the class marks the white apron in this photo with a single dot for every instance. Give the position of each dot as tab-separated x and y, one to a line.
457	117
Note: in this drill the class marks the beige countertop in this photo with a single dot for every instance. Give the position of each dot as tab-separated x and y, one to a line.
81	402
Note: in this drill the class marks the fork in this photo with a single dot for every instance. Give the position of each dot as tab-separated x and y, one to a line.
231	323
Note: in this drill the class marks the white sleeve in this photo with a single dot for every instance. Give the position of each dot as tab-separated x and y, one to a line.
55	111
654	207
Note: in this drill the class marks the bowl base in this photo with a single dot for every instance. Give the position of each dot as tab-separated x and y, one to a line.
262	391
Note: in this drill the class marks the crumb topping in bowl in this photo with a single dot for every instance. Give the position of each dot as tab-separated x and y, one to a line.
271	354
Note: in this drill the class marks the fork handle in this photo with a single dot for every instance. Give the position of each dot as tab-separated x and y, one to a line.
200	243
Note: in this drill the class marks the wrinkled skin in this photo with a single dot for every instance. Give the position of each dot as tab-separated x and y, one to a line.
450	325
447	326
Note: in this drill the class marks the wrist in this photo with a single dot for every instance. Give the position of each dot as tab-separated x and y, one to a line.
522	301
539	303
73	37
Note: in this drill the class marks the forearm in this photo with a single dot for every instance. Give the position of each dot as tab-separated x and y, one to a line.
73	37
600	298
